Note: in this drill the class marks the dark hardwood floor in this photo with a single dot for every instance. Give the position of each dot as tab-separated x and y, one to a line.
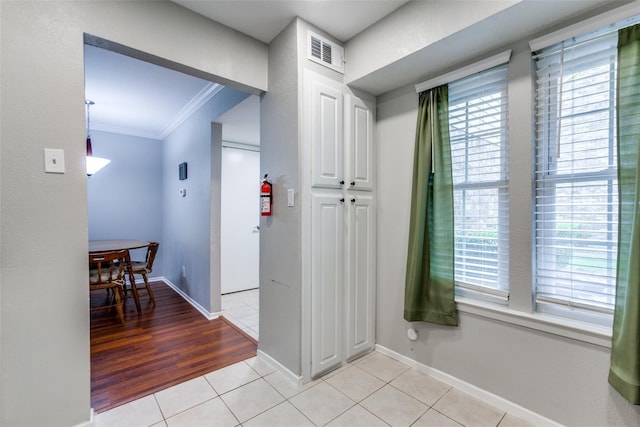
161	347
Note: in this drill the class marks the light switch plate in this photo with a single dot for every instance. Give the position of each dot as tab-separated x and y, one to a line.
290	197
53	160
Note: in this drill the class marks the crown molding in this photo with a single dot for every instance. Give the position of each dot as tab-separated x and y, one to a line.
208	92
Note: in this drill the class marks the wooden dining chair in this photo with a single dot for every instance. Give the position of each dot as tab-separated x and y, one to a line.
107	270
144	268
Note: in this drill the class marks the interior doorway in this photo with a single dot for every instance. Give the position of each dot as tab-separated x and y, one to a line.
240	217
164	192
240	236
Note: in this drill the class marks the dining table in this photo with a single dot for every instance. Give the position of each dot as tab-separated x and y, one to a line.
115	245
97	246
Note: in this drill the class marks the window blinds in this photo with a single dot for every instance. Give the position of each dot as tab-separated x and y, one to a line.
478	133
576	212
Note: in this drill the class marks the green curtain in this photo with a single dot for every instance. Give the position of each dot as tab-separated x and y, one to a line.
429	289
624	374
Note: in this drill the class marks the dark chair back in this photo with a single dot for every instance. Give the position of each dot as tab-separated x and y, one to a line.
107	271
107	267
151	255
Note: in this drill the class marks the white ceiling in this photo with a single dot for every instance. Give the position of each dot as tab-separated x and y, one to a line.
264	19
137	98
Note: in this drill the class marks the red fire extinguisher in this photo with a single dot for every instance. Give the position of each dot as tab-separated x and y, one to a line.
266	198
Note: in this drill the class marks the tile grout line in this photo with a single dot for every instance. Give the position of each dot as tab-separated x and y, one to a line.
354	402
242	304
261	377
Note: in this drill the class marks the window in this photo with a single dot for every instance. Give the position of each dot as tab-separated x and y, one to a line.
576	212
478	133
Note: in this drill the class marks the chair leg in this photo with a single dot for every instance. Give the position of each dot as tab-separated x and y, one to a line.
134	290
149	291
119	304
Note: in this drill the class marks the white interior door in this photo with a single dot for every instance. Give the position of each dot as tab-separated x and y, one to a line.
240	218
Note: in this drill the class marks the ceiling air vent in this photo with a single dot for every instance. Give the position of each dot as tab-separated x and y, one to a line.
326	52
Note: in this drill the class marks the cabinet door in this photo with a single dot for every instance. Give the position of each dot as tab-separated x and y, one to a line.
359	131
327	278
360	283
327	132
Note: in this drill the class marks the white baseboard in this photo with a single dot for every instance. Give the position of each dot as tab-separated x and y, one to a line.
279	367
91	422
478	393
187	298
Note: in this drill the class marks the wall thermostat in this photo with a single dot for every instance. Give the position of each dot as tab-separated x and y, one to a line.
182	171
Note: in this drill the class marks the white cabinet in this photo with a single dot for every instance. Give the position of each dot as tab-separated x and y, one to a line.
336	115
359	129
327	135
327	287
360	276
338	126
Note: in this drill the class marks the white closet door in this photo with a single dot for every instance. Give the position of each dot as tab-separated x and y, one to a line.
360	291
360	144
240	217
327	277
327	133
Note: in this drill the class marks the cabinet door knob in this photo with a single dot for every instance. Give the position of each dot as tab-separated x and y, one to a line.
342	182
353	200
353	183
342	200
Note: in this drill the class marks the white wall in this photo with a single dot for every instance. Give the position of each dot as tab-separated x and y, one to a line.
423	37
411	28
280	233
241	124
125	198
44	318
560	378
169	35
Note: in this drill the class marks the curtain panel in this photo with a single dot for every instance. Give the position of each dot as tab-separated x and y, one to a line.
429	287
624	374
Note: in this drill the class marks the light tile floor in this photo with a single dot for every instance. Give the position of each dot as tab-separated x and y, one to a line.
242	309
374	390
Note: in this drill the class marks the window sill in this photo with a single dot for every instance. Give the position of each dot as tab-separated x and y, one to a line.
592	334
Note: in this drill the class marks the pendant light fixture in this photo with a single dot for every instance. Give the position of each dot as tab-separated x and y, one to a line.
94	164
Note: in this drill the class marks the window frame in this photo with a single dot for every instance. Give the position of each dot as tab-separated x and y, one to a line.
548	178
498	294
